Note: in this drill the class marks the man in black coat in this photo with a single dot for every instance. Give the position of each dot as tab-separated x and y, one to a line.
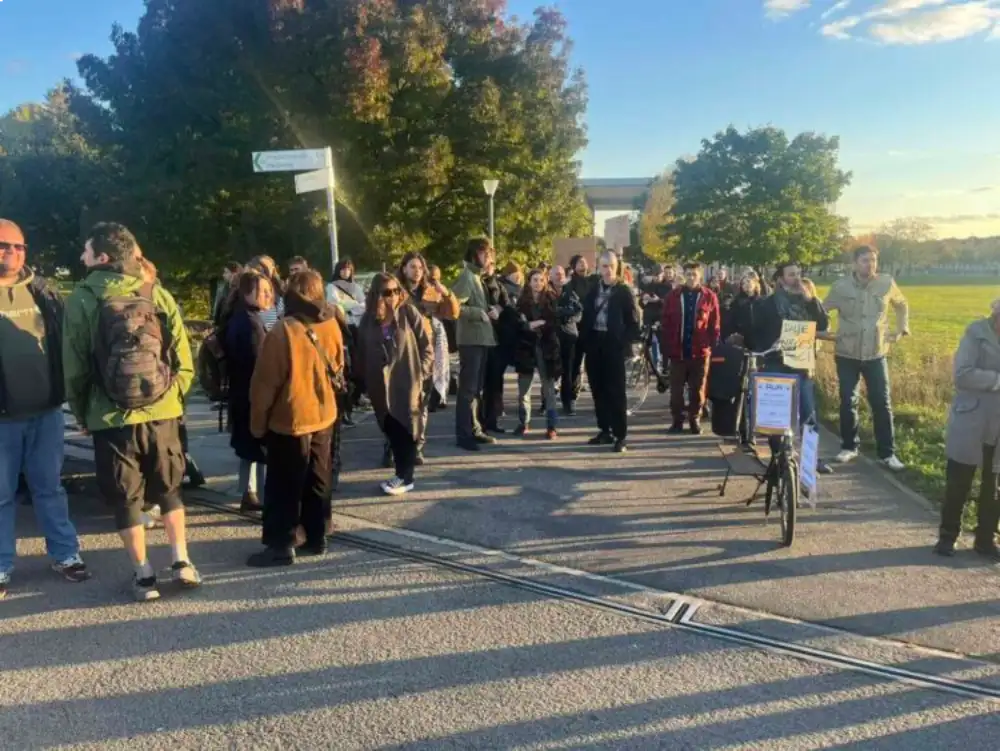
608	329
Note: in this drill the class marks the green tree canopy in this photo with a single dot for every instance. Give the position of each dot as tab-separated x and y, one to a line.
758	198
420	102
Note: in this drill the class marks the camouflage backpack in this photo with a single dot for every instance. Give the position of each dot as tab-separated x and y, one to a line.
131	353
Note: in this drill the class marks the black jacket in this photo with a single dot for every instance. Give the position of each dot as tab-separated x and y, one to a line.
740	317
767	328
624	327
569	311
50	303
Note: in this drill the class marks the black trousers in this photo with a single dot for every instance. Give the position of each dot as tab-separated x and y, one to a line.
298	487
567	354
492	408
958	485
404	448
606	373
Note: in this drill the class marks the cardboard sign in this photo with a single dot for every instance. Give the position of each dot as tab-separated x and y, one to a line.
798	344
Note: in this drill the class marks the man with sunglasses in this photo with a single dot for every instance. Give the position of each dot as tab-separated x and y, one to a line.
31	419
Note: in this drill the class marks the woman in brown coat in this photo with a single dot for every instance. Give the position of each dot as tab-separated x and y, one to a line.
394	347
293	407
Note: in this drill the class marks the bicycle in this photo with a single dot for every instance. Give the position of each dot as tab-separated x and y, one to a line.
781	473
641	369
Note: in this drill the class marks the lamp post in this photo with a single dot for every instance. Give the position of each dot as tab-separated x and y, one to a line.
490	186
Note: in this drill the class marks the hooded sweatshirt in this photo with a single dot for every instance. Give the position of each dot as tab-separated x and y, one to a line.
84	392
30	348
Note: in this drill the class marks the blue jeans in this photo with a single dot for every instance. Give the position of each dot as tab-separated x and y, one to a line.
876	375
807	401
35	446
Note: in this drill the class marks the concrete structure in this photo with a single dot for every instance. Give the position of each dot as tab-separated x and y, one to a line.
615	194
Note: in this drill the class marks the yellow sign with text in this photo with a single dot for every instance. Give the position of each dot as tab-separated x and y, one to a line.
798	344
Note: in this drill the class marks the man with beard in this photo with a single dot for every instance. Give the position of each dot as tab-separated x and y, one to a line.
31	419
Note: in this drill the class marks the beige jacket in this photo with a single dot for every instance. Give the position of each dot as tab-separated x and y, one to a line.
863	315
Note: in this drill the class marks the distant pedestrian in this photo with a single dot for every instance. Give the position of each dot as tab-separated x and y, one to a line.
128	366
223	288
476	337
395	349
537	351
569	312
691	327
608	330
580	281
293	407
862	301
31	419
972	436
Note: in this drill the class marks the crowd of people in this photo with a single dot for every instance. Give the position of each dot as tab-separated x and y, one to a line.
302	355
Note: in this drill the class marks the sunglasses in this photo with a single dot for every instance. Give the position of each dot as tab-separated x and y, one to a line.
7	247
390	292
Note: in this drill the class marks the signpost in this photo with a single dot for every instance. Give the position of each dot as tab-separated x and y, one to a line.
317	166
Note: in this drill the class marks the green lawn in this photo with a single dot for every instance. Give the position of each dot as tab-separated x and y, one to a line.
921	371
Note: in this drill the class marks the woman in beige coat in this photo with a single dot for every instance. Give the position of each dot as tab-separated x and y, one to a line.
397	357
973	432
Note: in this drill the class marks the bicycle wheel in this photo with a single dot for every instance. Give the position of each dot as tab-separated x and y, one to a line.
788	500
637	378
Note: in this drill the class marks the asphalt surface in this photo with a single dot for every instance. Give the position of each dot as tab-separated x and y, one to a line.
362	650
356	650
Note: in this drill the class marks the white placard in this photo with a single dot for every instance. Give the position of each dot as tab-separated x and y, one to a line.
320	179
798	344
616	232
293	160
774	403
809	461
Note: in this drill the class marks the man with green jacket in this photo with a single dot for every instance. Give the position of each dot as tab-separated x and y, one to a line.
128	365
475	337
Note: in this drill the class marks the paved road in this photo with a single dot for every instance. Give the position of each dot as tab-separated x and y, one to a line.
365	651
861	561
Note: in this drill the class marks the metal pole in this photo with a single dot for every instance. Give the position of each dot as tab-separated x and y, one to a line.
331	210
491	219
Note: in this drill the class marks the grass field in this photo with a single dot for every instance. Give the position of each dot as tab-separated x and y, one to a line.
920	368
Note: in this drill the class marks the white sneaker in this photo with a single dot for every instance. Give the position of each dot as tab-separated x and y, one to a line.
846	456
396	486
893	464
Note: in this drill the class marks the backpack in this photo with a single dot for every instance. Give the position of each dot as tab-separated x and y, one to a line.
131	351
213	373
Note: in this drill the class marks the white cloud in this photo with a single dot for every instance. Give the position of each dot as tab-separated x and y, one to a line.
834	9
904	21
778	8
839	29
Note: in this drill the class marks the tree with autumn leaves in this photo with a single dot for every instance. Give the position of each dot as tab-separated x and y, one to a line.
420	102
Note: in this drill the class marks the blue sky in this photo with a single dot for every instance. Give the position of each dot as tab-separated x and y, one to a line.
912	87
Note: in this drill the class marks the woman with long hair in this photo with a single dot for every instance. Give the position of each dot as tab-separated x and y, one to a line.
266	266
739	316
396	355
244	337
537	349
293	407
436	304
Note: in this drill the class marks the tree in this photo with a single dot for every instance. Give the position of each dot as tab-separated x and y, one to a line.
899	242
50	178
420	102
756	198
656	210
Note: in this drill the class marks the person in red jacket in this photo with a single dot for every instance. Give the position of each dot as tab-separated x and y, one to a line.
690	330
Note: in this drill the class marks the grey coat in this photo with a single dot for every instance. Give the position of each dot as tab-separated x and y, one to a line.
974	420
396	368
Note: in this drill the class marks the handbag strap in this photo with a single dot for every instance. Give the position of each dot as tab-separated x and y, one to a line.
311	335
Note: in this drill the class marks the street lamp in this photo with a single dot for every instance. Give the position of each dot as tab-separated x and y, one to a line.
490	186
